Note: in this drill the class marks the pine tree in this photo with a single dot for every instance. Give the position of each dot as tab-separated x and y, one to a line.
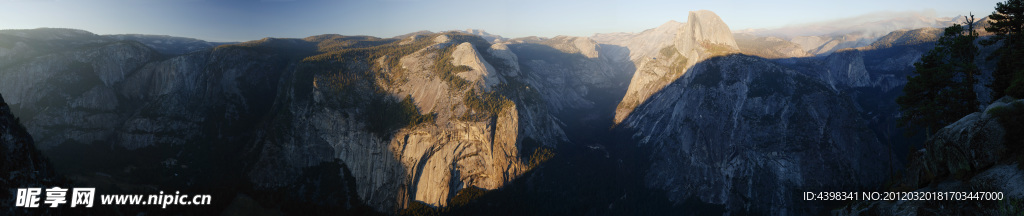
942	89
1007	23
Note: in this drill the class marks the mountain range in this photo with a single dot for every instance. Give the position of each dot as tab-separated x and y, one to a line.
685	117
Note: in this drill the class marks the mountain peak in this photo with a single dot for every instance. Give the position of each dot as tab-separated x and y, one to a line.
706	25
705	35
50	33
484	34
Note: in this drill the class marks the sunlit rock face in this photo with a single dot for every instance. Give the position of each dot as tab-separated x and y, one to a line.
260	97
704	35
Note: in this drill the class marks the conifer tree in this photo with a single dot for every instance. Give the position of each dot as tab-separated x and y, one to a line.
1007	23
942	87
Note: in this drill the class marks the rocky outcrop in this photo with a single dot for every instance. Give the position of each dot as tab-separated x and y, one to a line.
644	44
563	72
493	38
440	161
704	35
846	69
826	44
286	115
481	73
768	47
22	165
907	38
974	155
76	86
704	29
740	128
507	56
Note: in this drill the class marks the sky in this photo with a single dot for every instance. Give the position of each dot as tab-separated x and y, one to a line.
243	20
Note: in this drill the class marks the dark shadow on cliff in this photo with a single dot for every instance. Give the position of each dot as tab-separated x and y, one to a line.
599	171
217	162
794	84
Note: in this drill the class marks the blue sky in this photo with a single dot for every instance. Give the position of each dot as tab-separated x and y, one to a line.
241	20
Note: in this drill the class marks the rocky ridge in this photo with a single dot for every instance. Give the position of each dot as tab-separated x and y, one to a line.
731	126
703	36
23	166
326	95
976	153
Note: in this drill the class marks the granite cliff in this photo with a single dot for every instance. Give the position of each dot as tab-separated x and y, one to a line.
284	105
737	128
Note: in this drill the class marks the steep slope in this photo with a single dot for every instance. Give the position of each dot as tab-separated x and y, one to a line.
493	38
643	44
907	38
740	128
704	35
981	152
827	44
22	165
768	47
167	44
408	120
568	72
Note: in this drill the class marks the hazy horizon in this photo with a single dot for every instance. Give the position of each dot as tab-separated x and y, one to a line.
237	20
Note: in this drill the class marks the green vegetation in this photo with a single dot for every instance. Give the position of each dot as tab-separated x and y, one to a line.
942	91
539	156
417	208
467	195
546	53
678	67
348	87
1007	22
1011	116
293	48
716	49
668	51
464	197
383	114
339	51
447	71
386	116
483	105
1010	206
338	43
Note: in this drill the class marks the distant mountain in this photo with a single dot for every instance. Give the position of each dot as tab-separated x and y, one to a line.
868	25
643	44
826	37
168	44
704	35
768	47
409	120
698	109
486	36
682	117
